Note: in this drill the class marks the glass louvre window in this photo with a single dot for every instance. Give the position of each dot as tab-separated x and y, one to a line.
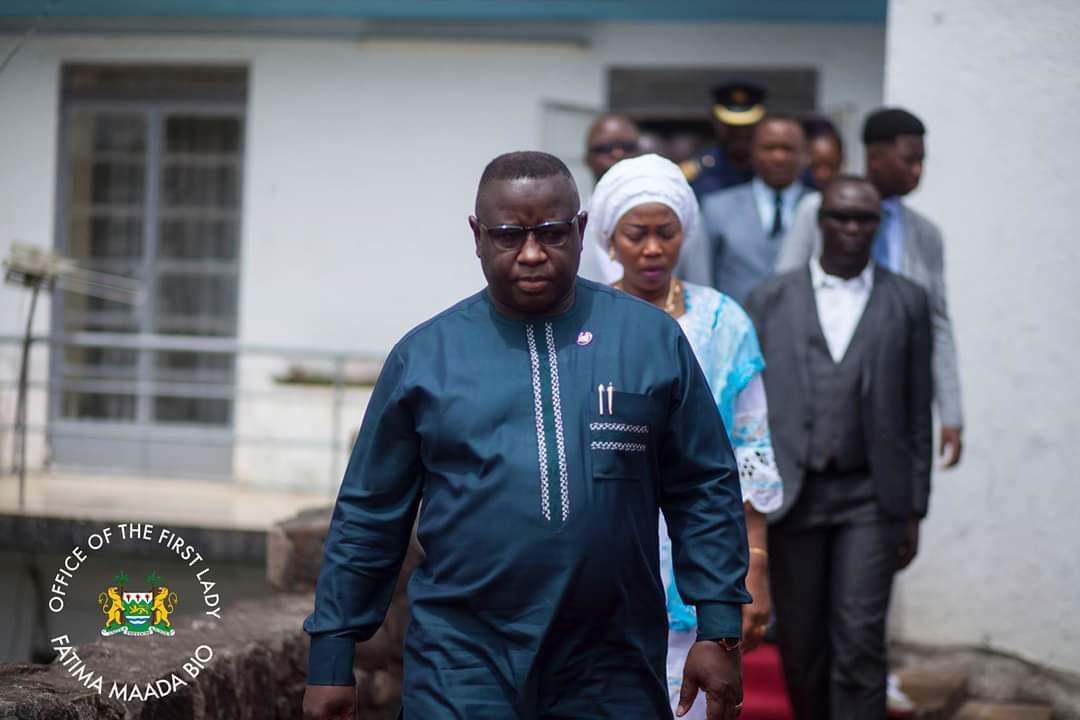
150	189
106	174
196	270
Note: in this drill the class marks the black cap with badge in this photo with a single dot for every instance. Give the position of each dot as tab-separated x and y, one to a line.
738	103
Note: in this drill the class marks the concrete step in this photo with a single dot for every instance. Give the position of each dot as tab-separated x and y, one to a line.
973	710
936	695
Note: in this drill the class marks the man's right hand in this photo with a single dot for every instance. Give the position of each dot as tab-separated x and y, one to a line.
330	702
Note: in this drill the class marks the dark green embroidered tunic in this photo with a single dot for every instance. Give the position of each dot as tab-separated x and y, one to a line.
540	596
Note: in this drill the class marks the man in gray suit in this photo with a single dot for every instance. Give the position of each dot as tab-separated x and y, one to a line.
746	224
907	243
847	378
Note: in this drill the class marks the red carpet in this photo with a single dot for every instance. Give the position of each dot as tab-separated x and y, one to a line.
764	694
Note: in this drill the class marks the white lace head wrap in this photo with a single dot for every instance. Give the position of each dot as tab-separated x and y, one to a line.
637	181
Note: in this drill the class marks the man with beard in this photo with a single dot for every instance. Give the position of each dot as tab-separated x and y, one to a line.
545	421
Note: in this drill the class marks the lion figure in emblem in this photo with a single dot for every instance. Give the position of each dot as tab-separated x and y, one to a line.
164	603
112	606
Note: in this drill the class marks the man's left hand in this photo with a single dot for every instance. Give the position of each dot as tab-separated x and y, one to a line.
909	548
952	445
716	671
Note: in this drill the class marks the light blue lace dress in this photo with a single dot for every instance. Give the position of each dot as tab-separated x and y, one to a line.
723	339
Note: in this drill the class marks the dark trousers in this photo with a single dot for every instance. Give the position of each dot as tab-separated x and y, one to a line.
831	563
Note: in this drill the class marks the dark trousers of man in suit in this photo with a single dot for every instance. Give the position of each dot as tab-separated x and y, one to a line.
852	440
833	554
850	419
831	624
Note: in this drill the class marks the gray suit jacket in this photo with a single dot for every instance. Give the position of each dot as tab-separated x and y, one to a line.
742	253
896	384
924	263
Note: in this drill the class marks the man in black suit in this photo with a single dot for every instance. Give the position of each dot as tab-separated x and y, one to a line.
847	347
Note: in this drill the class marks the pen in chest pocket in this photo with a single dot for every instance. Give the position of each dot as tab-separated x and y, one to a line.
610	398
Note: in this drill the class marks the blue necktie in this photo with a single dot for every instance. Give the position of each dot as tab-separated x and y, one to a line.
880	250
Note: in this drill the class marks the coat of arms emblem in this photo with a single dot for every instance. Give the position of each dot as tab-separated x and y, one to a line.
137	613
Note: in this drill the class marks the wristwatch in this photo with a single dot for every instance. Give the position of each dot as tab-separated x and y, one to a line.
730	644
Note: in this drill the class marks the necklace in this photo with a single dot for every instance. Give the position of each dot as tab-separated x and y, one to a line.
673	295
671	303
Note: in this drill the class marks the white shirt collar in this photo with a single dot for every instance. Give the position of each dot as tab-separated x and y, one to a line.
788	195
864	281
765	200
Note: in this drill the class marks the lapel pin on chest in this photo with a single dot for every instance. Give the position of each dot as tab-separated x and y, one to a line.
584	338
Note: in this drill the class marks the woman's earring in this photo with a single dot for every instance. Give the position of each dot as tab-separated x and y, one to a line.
611	251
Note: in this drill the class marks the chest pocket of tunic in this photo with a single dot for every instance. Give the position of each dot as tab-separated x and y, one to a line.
621	443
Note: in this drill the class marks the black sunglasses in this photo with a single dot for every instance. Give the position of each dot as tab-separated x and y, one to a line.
550	234
846	216
628	146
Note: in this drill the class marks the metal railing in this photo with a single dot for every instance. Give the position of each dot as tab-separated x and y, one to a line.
236	387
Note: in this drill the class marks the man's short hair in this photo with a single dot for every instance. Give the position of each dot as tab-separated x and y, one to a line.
845	179
887	124
607	117
530	164
781	117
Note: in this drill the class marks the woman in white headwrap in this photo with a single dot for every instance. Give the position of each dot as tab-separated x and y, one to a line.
640	212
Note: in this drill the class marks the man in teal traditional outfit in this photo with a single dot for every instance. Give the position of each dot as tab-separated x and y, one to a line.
544	422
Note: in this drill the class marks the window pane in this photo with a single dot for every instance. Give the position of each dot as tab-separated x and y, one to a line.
209	368
86	313
196	305
105	243
106	155
201	411
98	406
99	363
198	185
202	134
117	183
198	239
113	132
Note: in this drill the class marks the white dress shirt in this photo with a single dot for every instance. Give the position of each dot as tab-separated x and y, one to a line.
765	199
840	304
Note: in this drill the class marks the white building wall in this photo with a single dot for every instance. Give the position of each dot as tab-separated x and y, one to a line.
362	156
29	95
998	85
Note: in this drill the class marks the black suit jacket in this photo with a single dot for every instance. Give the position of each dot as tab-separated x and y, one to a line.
896	384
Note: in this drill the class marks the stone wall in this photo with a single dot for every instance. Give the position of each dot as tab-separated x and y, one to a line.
995	676
294	554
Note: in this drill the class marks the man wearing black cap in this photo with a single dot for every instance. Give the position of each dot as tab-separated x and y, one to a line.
907	243
737	108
